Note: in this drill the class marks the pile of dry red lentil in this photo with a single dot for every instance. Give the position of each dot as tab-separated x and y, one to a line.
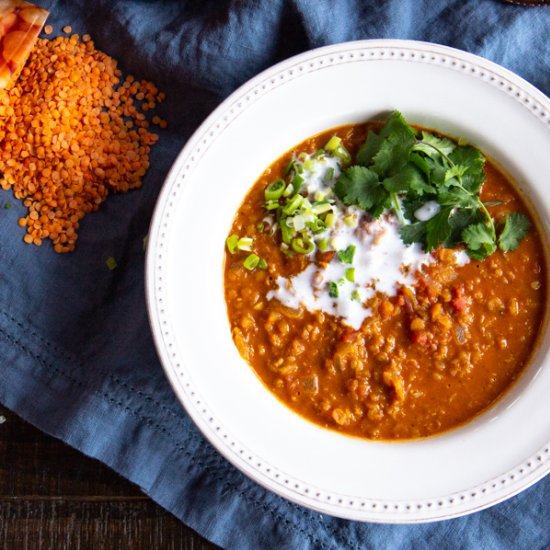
72	130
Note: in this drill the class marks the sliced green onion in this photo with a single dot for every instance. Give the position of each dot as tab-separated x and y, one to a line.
251	261
320	196
330	219
287	233
111	263
245	243
306	205
337	148
260	227
293	204
7	206
333	290
302	245
350	274
317	225
309	164
262	264
319	153
298	221
274	190
333	143
289	190
232	243
355	295
323	245
343	155
351	220
320	207
297	182
145	242
289	167
272	205
329	174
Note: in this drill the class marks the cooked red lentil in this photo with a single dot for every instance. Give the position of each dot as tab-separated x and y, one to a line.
428	359
72	131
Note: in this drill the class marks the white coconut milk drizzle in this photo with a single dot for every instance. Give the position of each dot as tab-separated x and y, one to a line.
382	261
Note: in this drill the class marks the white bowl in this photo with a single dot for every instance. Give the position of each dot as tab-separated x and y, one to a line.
497	455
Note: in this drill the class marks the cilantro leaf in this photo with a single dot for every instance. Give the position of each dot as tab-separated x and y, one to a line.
359	185
398	140
393	154
355	186
437	170
457	197
346	255
516	227
409	179
368	149
433	146
381	199
396	124
474	161
395	129
413	232
453	176
480	240
333	290
438	229
443	144
459	220
420	162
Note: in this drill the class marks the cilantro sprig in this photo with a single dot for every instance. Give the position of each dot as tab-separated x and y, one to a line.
401	169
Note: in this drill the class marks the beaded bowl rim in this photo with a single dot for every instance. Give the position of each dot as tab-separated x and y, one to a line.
478	497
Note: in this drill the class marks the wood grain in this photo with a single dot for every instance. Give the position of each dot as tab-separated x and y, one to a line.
52	496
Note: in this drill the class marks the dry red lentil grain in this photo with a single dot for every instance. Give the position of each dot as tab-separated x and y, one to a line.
68	137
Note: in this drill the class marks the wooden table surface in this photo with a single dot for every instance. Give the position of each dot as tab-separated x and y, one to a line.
52	496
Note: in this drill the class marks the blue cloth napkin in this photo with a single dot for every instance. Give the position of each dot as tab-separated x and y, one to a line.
78	359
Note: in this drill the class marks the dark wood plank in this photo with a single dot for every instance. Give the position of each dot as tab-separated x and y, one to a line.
70	524
35	464
52	496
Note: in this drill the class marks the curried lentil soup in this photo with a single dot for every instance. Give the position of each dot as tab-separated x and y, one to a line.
442	346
